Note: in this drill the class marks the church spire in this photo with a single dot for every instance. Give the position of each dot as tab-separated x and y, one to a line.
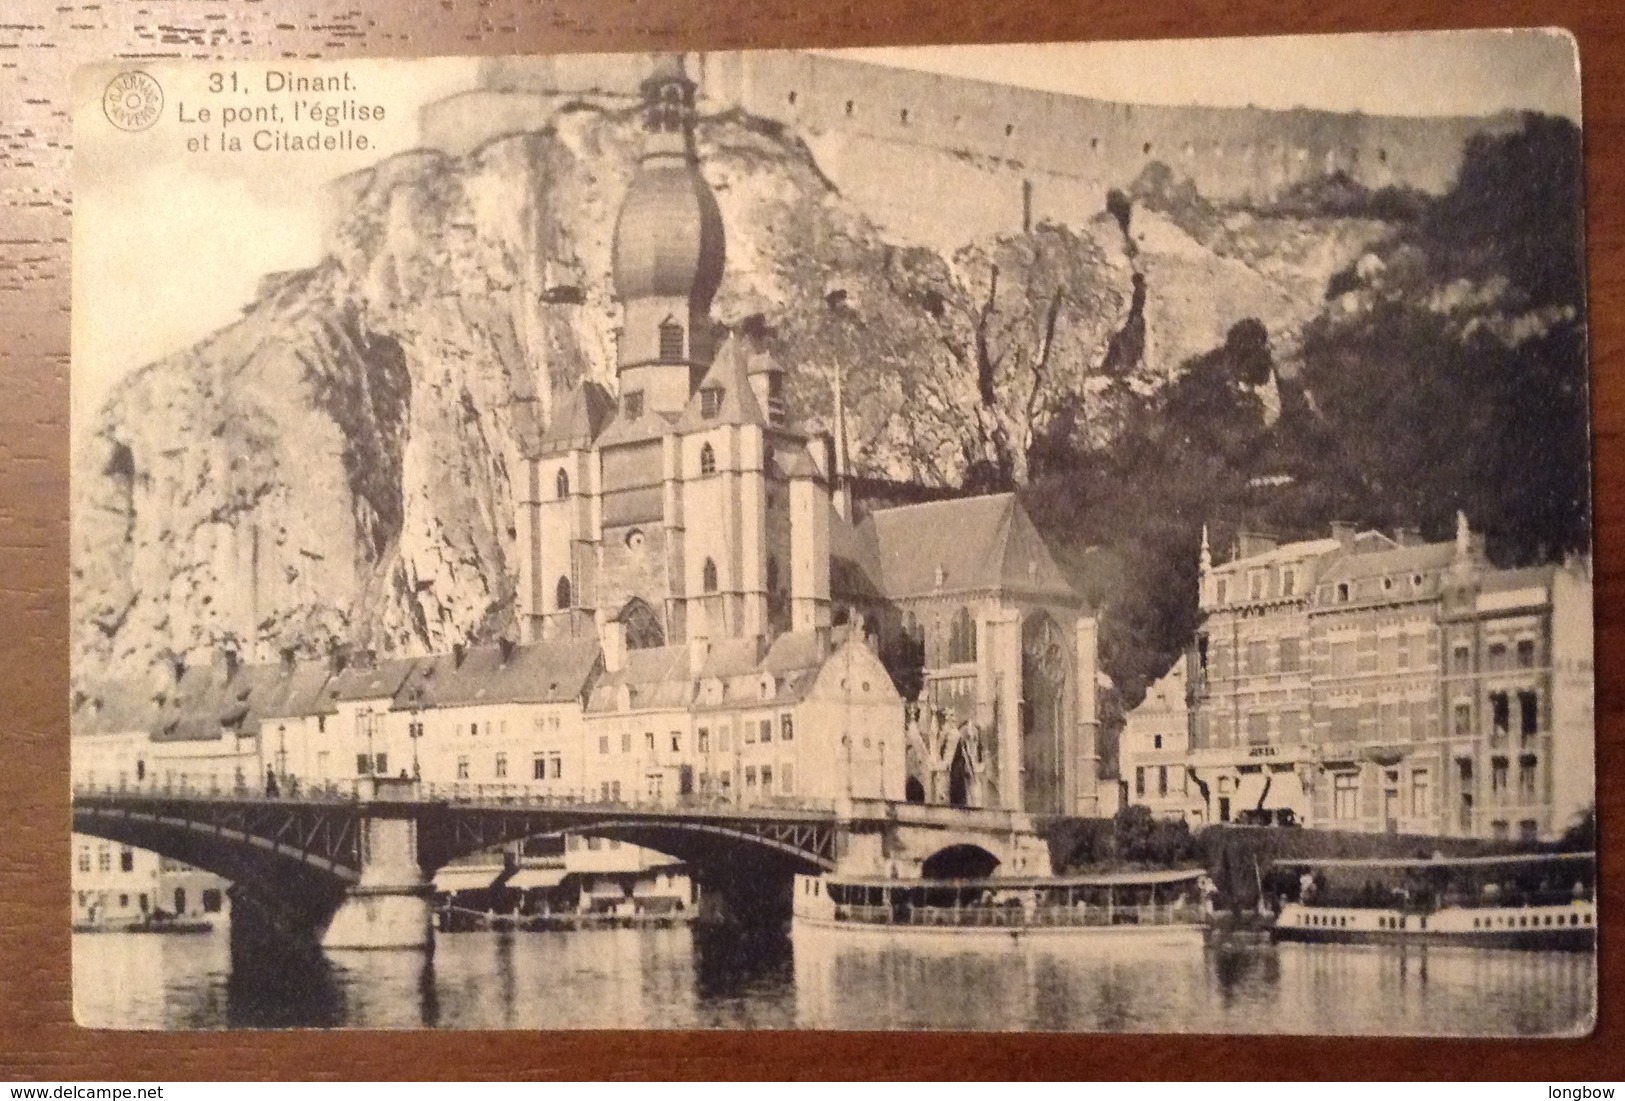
668	253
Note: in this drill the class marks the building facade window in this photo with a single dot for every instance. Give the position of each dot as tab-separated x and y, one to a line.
1498	775
1258	657
1291	655
708	459
1258	728
1139	780
462	768
786	727
561	484
626	741
1500	714
1526	779
1345	724
708	576
538	767
1528	715
1291	727
632	404
1526	653
562	594
710	402
1345	795
1421	793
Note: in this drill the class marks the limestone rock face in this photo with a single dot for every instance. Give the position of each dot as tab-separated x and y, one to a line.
340	464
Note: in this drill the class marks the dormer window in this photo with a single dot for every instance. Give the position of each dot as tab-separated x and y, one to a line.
710	401
632	404
671	341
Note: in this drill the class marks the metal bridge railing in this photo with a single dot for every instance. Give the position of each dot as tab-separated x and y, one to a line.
476	795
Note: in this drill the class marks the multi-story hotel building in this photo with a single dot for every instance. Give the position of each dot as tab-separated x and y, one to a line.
1384	684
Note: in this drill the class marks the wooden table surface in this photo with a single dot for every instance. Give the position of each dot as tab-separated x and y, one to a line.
42	41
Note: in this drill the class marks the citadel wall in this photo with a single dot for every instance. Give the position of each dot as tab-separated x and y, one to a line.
978	155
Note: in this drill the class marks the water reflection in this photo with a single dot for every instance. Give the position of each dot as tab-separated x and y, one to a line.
675	978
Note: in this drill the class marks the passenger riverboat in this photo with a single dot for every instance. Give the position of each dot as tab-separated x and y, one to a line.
1544	901
1160	907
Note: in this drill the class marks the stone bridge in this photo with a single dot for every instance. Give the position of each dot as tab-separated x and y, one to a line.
353	869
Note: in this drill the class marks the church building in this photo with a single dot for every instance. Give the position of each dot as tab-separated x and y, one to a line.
688	512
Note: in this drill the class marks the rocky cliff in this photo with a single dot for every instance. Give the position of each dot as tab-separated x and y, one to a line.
340	463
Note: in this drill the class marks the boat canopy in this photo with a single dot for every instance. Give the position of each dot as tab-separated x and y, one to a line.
1025	883
1419	863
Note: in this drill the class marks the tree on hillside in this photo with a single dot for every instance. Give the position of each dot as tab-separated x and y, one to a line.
1459	381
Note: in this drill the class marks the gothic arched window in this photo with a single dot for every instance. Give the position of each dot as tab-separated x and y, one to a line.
708	460
643	630
962	637
708	576
562	594
562	483
671	340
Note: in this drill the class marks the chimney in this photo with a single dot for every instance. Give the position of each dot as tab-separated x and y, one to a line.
612	638
507	647
699	648
458	653
1249	543
1343	531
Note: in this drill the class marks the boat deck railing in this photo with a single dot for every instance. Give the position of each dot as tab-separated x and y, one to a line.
1015	917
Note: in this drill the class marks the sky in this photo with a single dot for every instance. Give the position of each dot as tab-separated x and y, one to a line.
170	244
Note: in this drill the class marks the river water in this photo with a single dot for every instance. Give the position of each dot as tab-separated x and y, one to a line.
682	978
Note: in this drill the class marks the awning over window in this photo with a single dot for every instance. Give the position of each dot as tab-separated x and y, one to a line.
466	878
527	878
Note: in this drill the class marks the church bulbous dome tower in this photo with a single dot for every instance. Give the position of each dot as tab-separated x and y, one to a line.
668	252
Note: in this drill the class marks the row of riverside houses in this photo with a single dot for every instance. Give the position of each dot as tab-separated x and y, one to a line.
1369	683
809	718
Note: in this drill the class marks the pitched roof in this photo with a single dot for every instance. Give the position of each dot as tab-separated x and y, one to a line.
112	707
656	677
294	692
369	680
1393	560
1286	552
1529	577
554	671
647	425
586	408
971	543
729	373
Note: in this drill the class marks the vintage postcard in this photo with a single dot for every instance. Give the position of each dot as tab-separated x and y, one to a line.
1067	538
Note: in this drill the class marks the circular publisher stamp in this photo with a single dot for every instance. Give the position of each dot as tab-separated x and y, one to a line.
133	101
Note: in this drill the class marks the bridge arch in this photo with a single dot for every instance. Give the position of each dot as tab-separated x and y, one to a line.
244	843
959	861
790	846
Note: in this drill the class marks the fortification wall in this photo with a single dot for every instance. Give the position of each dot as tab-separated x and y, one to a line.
979	155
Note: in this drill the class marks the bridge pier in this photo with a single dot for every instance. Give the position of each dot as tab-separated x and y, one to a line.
389	907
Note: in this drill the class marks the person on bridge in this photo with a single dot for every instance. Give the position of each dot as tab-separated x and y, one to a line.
270	782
